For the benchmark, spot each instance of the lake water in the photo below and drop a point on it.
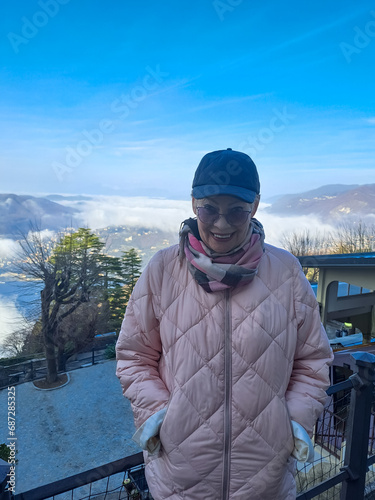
(24, 294)
(18, 299)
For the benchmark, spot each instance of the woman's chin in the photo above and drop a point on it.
(222, 245)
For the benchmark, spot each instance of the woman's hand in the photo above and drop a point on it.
(303, 447)
(147, 436)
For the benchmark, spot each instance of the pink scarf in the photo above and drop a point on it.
(215, 271)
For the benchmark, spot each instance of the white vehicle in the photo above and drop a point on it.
(344, 335)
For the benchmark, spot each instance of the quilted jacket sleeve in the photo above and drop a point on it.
(310, 374)
(138, 348)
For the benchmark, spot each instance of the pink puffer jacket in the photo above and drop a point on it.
(233, 369)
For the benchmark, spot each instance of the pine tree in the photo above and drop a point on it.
(131, 270)
(113, 294)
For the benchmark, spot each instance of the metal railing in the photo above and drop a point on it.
(36, 369)
(107, 482)
(342, 468)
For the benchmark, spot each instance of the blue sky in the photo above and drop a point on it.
(124, 98)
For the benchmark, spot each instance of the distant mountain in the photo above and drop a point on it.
(331, 202)
(18, 212)
(323, 191)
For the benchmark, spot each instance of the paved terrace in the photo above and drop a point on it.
(85, 424)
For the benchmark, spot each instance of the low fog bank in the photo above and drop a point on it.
(99, 212)
(276, 227)
(8, 248)
(150, 213)
(167, 215)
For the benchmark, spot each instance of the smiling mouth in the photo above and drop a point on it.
(222, 237)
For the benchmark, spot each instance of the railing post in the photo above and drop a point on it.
(358, 426)
(31, 370)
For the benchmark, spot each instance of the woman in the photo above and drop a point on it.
(222, 353)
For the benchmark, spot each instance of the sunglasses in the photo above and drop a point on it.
(235, 217)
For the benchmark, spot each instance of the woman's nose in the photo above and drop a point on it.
(222, 223)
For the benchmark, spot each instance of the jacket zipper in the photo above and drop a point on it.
(227, 394)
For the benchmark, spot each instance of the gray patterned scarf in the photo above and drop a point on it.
(213, 271)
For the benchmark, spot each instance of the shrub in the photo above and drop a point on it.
(110, 351)
(5, 453)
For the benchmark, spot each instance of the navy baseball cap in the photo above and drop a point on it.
(226, 172)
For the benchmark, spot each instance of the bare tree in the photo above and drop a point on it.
(68, 270)
(354, 238)
(305, 243)
(14, 342)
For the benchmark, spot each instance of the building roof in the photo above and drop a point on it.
(365, 259)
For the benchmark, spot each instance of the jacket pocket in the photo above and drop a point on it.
(163, 431)
(290, 426)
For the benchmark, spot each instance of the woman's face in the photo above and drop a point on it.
(221, 236)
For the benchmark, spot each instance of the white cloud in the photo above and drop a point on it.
(8, 248)
(167, 215)
(103, 211)
(44, 235)
(276, 227)
(229, 101)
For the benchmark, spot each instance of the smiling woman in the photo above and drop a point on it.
(223, 221)
(222, 353)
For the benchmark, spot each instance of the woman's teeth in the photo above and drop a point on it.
(222, 236)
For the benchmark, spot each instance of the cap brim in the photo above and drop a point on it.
(215, 189)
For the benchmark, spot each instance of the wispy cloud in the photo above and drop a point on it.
(317, 31)
(230, 101)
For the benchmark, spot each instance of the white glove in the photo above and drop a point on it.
(147, 435)
(303, 447)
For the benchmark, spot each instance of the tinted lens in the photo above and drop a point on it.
(235, 217)
(207, 215)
